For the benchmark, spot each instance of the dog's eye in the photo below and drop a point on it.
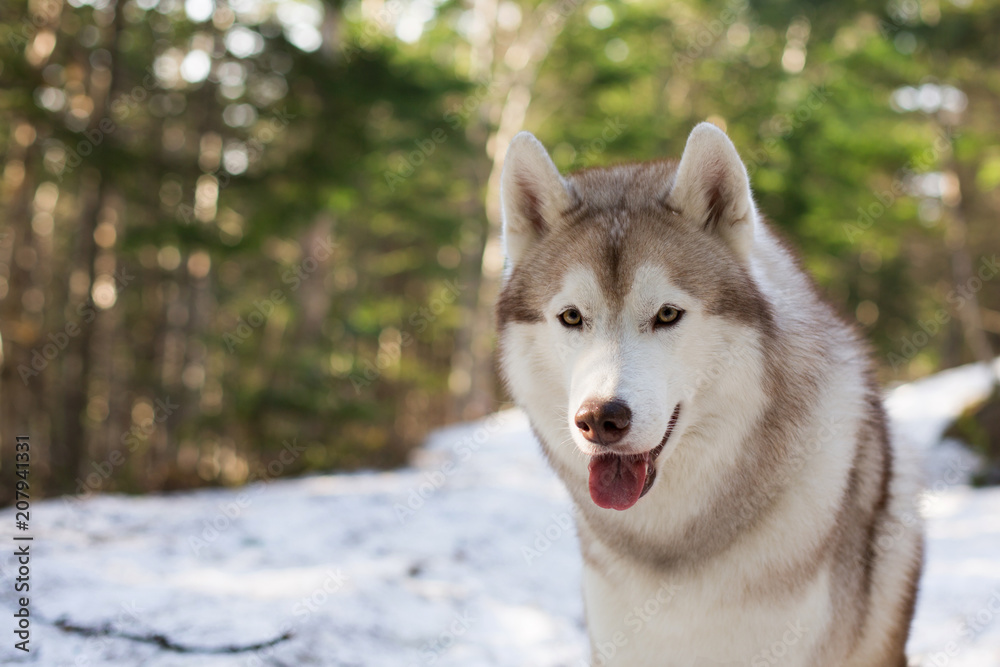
(667, 315)
(571, 317)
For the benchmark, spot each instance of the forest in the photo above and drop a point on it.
(244, 239)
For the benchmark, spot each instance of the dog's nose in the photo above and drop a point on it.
(603, 423)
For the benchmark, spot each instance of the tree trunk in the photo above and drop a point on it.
(75, 442)
(475, 393)
(20, 395)
(963, 271)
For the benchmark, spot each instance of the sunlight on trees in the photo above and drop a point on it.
(230, 225)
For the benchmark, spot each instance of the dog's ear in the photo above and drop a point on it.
(712, 189)
(532, 195)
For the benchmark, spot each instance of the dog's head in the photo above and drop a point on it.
(625, 290)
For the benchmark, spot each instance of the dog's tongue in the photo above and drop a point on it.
(616, 482)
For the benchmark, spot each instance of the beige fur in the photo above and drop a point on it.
(781, 517)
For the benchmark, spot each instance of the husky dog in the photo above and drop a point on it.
(739, 499)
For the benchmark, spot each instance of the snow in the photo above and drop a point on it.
(467, 558)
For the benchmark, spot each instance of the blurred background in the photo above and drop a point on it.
(234, 230)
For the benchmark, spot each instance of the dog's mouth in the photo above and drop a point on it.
(617, 481)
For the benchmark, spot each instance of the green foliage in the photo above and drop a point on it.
(305, 227)
(979, 427)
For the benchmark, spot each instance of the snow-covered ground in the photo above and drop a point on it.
(468, 558)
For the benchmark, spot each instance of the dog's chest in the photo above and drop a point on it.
(704, 621)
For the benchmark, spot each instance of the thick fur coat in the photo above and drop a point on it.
(740, 500)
